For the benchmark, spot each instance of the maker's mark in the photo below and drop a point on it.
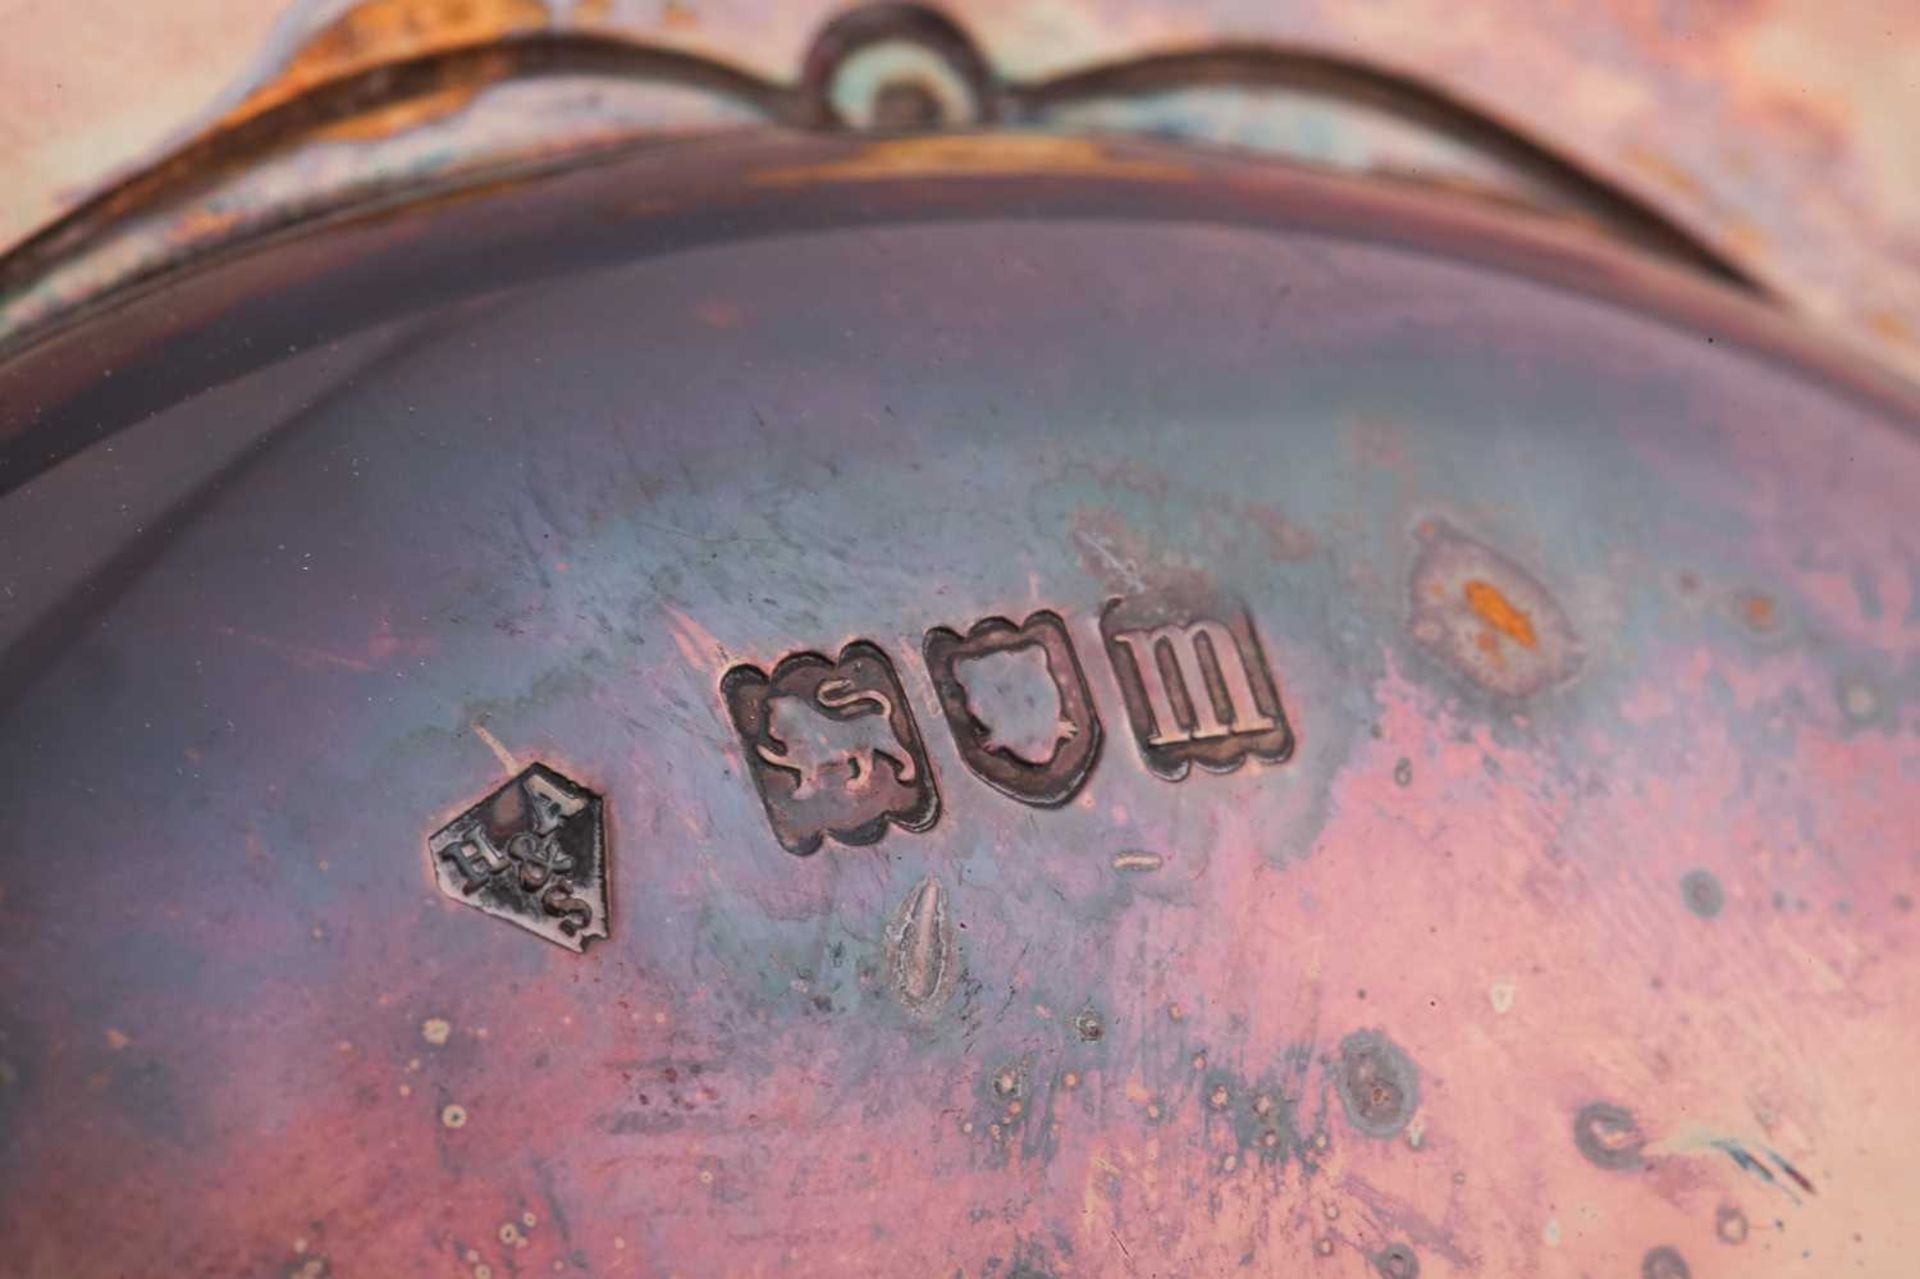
(533, 853)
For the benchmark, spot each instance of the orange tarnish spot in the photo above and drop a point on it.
(1890, 326)
(1494, 609)
(1747, 239)
(1664, 170)
(718, 313)
(1758, 610)
(379, 31)
(995, 155)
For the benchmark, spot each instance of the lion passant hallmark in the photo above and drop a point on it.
(832, 747)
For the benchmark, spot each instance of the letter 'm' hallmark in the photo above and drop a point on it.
(1195, 682)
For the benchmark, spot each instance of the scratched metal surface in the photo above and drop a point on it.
(1575, 937)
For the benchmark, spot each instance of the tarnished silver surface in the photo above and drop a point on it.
(1568, 927)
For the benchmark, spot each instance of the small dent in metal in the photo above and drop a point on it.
(921, 950)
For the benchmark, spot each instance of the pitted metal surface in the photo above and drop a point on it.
(1570, 580)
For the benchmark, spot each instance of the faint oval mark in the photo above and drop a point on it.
(1608, 1135)
(920, 950)
(1397, 1261)
(1377, 1082)
(1664, 1263)
(1702, 892)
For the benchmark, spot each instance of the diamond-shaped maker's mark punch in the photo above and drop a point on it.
(534, 853)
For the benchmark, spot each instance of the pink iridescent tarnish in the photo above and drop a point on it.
(1503, 882)
(1518, 876)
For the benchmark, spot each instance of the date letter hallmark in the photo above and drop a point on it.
(532, 853)
(1195, 682)
(832, 748)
